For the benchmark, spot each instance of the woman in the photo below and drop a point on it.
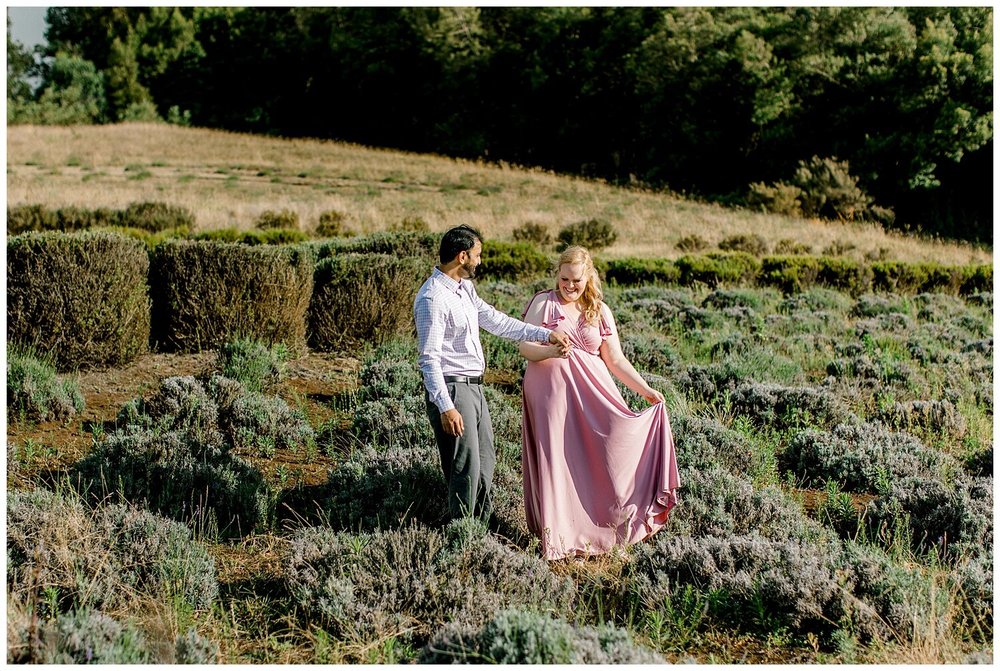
(596, 474)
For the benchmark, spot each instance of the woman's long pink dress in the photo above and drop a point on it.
(596, 474)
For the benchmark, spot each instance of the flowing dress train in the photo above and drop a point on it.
(596, 474)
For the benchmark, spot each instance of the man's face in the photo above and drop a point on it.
(472, 259)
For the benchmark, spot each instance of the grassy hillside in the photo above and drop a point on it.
(228, 179)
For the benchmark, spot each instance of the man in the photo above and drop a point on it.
(448, 314)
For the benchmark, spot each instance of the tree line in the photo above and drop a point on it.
(878, 113)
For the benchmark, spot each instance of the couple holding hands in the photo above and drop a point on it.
(596, 474)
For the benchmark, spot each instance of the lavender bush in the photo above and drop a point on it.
(525, 637)
(359, 586)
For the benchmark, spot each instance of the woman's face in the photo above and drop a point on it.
(572, 281)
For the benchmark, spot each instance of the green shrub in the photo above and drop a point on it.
(829, 190)
(977, 279)
(363, 299)
(271, 236)
(791, 274)
(331, 224)
(512, 261)
(411, 225)
(752, 244)
(900, 277)
(156, 217)
(718, 268)
(141, 111)
(253, 363)
(525, 637)
(79, 218)
(844, 274)
(594, 234)
(779, 198)
(531, 231)
(838, 248)
(638, 272)
(786, 246)
(34, 391)
(80, 297)
(205, 293)
(269, 219)
(393, 244)
(692, 243)
(24, 218)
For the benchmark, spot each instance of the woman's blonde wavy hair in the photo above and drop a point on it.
(592, 297)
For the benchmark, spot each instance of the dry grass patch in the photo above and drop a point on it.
(229, 179)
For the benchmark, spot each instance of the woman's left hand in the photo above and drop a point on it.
(653, 396)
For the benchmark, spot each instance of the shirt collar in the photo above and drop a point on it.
(452, 285)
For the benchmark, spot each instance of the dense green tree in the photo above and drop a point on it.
(707, 100)
(20, 66)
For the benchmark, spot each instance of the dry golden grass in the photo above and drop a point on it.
(228, 179)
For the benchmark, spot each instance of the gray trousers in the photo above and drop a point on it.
(468, 461)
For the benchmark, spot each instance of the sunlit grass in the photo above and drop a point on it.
(376, 188)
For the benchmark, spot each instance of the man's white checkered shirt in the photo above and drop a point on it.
(448, 316)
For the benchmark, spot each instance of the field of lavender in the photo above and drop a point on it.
(836, 461)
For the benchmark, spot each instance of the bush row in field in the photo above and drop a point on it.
(154, 217)
(94, 298)
(793, 274)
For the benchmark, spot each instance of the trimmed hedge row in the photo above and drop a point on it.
(793, 274)
(80, 298)
(207, 293)
(148, 216)
(362, 298)
(100, 298)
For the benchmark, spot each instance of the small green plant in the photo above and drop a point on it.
(594, 234)
(531, 231)
(779, 198)
(692, 243)
(838, 248)
(270, 219)
(331, 224)
(786, 246)
(254, 363)
(411, 224)
(35, 392)
(750, 243)
(837, 511)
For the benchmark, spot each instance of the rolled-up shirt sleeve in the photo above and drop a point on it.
(430, 336)
(506, 326)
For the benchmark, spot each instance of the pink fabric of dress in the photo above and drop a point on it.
(596, 474)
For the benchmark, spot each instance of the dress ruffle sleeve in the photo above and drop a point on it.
(551, 314)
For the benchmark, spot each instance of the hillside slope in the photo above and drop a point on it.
(228, 179)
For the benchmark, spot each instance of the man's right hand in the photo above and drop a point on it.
(562, 341)
(451, 422)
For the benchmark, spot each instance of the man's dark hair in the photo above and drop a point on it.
(459, 239)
